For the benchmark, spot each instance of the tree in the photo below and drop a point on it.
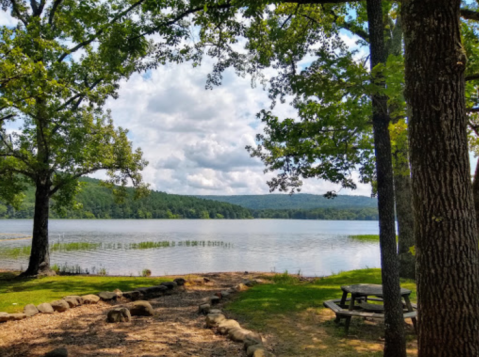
(57, 68)
(394, 335)
(446, 233)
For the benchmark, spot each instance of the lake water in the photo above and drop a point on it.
(314, 248)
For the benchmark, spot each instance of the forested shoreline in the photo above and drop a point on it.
(98, 203)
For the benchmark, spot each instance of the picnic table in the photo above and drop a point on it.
(358, 303)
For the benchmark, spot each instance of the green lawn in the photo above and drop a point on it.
(292, 310)
(16, 293)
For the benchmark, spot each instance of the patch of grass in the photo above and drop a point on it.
(293, 310)
(46, 289)
(366, 237)
(55, 247)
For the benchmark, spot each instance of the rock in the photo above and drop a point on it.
(250, 341)
(118, 292)
(120, 314)
(225, 326)
(57, 352)
(78, 299)
(45, 308)
(60, 305)
(18, 316)
(4, 317)
(206, 280)
(214, 300)
(252, 349)
(204, 309)
(216, 311)
(241, 335)
(261, 352)
(107, 296)
(133, 295)
(149, 292)
(249, 283)
(214, 319)
(225, 293)
(241, 287)
(30, 310)
(141, 308)
(90, 299)
(71, 301)
(180, 281)
(170, 284)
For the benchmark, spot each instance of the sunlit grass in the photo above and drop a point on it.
(35, 291)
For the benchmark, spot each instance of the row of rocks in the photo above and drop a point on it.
(49, 308)
(166, 288)
(253, 342)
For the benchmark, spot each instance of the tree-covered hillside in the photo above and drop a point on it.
(98, 202)
(300, 201)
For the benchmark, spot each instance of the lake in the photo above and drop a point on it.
(313, 248)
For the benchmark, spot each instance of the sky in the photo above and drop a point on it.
(194, 139)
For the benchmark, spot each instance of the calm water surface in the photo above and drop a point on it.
(314, 248)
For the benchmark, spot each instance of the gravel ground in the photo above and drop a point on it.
(176, 329)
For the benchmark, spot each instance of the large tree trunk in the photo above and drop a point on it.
(395, 343)
(405, 215)
(40, 255)
(475, 190)
(447, 254)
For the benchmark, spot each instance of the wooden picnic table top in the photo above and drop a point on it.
(369, 289)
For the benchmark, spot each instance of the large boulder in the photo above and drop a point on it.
(119, 314)
(225, 326)
(107, 296)
(141, 308)
(60, 305)
(57, 352)
(18, 316)
(30, 310)
(90, 299)
(118, 293)
(214, 319)
(45, 308)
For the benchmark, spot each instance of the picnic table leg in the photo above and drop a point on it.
(410, 308)
(351, 302)
(343, 299)
(346, 326)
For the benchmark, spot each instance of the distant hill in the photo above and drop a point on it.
(299, 201)
(98, 202)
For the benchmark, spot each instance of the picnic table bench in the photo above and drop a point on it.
(358, 305)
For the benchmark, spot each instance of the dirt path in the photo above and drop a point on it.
(176, 329)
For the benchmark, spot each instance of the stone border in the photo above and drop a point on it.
(68, 302)
(216, 320)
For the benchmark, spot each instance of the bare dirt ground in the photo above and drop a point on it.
(176, 329)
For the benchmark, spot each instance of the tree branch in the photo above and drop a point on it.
(55, 6)
(472, 77)
(99, 32)
(469, 14)
(319, 2)
(17, 12)
(473, 110)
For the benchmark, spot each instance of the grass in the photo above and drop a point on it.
(367, 237)
(16, 293)
(293, 311)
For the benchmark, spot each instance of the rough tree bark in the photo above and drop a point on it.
(40, 256)
(447, 254)
(395, 343)
(475, 190)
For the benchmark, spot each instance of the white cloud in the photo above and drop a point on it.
(194, 138)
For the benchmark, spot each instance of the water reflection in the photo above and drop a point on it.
(314, 248)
